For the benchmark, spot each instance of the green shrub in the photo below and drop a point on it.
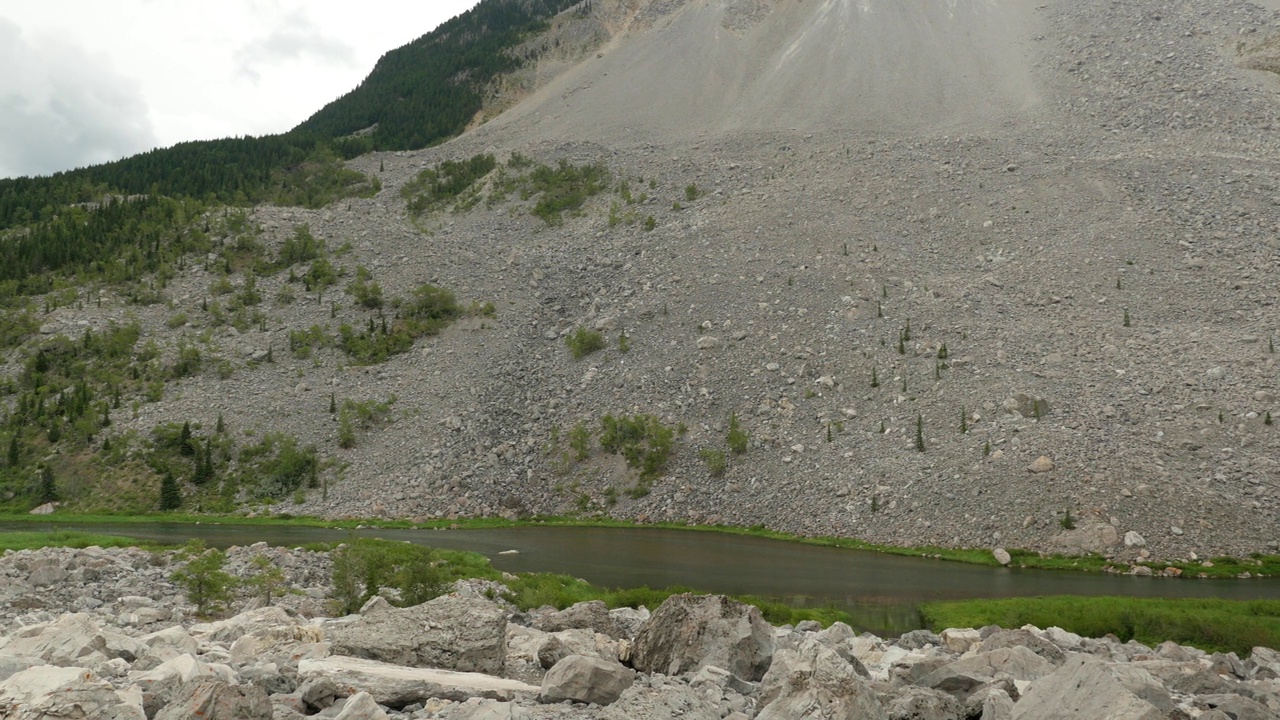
(276, 466)
(365, 290)
(715, 460)
(580, 441)
(363, 566)
(448, 182)
(302, 342)
(301, 247)
(737, 438)
(642, 439)
(207, 586)
(582, 342)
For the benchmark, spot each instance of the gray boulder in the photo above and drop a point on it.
(917, 639)
(453, 633)
(660, 699)
(815, 682)
(397, 686)
(917, 703)
(690, 631)
(73, 639)
(1263, 664)
(586, 679)
(590, 615)
(216, 700)
(968, 674)
(1236, 707)
(1026, 639)
(361, 706)
(1085, 687)
(47, 692)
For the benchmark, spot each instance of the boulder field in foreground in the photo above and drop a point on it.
(465, 657)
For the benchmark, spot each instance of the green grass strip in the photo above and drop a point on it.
(1212, 625)
(66, 538)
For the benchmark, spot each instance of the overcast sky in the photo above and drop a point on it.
(87, 81)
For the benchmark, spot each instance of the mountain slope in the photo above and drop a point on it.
(701, 68)
(1030, 285)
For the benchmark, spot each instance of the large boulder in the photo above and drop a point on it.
(397, 686)
(815, 682)
(689, 632)
(73, 639)
(361, 706)
(661, 699)
(162, 684)
(1027, 639)
(216, 700)
(47, 692)
(1085, 687)
(968, 674)
(917, 703)
(590, 615)
(449, 632)
(585, 679)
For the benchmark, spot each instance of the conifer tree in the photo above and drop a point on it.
(48, 488)
(170, 495)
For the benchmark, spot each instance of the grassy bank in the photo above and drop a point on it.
(1209, 624)
(72, 539)
(1219, 567)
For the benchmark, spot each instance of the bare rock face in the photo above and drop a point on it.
(453, 633)
(1085, 687)
(814, 681)
(47, 692)
(217, 700)
(689, 632)
(587, 680)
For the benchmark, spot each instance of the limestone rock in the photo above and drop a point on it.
(1085, 687)
(216, 700)
(587, 680)
(449, 632)
(917, 703)
(665, 701)
(1002, 556)
(688, 632)
(1042, 464)
(1133, 539)
(361, 706)
(1026, 639)
(47, 692)
(967, 674)
(815, 682)
(959, 640)
(590, 615)
(73, 639)
(394, 685)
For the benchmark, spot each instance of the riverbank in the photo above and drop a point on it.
(1256, 565)
(118, 627)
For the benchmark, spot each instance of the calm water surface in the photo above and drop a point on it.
(881, 591)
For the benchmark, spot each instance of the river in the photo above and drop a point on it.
(881, 591)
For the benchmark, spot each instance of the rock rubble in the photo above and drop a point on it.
(701, 657)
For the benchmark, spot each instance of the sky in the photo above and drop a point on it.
(85, 81)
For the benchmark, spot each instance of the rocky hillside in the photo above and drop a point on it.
(463, 656)
(968, 274)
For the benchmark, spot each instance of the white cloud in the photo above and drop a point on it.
(62, 107)
(86, 81)
(295, 38)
